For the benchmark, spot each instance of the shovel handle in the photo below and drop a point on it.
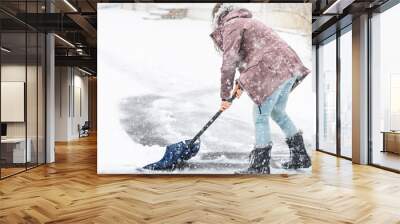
(216, 115)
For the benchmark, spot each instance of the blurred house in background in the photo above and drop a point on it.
(283, 17)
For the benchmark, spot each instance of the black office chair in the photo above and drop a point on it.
(84, 130)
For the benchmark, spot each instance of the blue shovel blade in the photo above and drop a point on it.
(175, 155)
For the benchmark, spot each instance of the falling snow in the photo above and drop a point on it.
(159, 83)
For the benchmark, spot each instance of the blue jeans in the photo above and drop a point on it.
(274, 106)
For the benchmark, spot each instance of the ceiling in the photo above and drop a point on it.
(75, 23)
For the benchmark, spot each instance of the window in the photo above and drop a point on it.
(327, 96)
(385, 85)
(346, 94)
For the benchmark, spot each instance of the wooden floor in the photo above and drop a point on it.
(70, 191)
(5, 172)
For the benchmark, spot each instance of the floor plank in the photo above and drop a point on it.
(70, 191)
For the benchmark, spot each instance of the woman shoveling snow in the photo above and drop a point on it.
(269, 69)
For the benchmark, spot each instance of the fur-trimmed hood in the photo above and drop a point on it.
(228, 12)
(225, 14)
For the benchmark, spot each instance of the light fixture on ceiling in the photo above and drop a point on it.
(84, 71)
(80, 51)
(337, 7)
(70, 5)
(5, 50)
(64, 40)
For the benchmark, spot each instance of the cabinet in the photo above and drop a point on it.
(391, 141)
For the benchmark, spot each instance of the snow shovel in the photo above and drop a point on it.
(176, 154)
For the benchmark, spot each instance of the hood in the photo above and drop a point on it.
(228, 12)
(236, 13)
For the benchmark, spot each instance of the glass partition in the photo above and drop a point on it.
(22, 77)
(33, 56)
(346, 94)
(327, 96)
(14, 153)
(32, 95)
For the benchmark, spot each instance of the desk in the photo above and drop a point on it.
(13, 150)
(391, 141)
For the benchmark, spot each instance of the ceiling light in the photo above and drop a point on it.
(79, 51)
(84, 71)
(70, 5)
(338, 6)
(5, 50)
(65, 41)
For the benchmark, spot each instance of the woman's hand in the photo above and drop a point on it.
(226, 104)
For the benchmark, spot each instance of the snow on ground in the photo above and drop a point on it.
(158, 84)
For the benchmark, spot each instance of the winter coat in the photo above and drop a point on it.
(263, 59)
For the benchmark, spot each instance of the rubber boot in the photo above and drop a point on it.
(259, 161)
(298, 153)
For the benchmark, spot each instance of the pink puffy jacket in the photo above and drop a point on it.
(264, 60)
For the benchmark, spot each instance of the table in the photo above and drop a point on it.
(391, 141)
(13, 150)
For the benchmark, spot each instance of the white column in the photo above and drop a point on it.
(360, 90)
(63, 101)
(50, 99)
(50, 92)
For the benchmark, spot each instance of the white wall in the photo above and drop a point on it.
(61, 103)
(80, 94)
(70, 83)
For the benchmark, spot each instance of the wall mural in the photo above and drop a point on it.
(205, 88)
